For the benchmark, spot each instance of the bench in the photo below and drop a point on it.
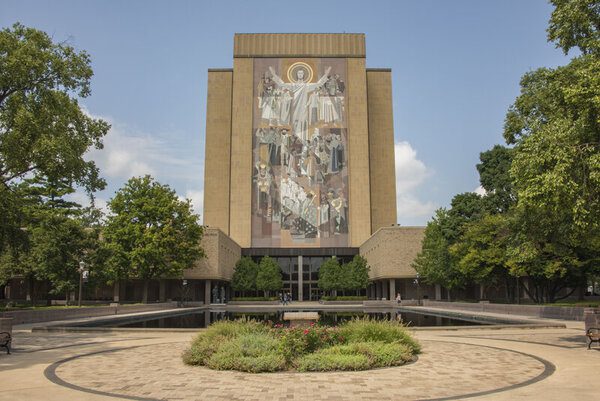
(5, 340)
(593, 334)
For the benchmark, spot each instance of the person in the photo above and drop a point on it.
(300, 91)
(398, 298)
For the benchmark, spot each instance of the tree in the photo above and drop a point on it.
(268, 277)
(150, 233)
(554, 126)
(357, 272)
(43, 131)
(494, 176)
(481, 253)
(434, 263)
(330, 275)
(575, 23)
(244, 275)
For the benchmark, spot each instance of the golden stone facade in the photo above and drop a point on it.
(327, 129)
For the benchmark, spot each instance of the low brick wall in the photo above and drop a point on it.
(544, 311)
(357, 302)
(47, 315)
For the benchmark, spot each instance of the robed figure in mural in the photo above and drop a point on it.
(300, 91)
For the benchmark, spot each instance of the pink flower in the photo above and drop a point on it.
(305, 331)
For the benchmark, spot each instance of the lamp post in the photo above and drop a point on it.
(81, 270)
(184, 288)
(418, 289)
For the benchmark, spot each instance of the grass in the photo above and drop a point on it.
(250, 346)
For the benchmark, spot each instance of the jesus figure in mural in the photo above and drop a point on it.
(300, 91)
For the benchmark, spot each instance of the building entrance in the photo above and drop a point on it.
(300, 273)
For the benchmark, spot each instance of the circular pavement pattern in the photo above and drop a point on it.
(445, 370)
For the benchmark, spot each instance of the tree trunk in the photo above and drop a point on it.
(145, 293)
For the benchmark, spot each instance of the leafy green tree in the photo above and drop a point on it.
(330, 274)
(481, 253)
(43, 130)
(268, 277)
(435, 263)
(575, 23)
(494, 176)
(357, 272)
(554, 126)
(244, 275)
(150, 233)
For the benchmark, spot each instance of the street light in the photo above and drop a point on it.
(81, 271)
(418, 289)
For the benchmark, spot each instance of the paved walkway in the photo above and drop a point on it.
(483, 364)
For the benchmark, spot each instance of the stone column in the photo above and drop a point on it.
(392, 289)
(438, 292)
(300, 290)
(207, 288)
(162, 290)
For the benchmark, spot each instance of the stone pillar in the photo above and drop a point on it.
(300, 289)
(207, 288)
(481, 291)
(392, 289)
(162, 290)
(438, 292)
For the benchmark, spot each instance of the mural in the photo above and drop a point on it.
(300, 177)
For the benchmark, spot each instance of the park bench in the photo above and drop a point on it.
(593, 334)
(5, 340)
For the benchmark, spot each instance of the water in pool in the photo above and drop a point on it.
(201, 319)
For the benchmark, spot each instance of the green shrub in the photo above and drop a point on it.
(379, 354)
(298, 341)
(344, 298)
(250, 352)
(387, 331)
(216, 336)
(250, 346)
(322, 362)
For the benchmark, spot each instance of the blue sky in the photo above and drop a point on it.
(455, 65)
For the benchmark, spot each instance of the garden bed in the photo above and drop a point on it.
(254, 347)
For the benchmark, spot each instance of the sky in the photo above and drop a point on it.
(456, 67)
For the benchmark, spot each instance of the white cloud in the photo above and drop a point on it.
(128, 152)
(480, 191)
(411, 173)
(197, 198)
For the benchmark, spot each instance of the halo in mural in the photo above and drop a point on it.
(292, 72)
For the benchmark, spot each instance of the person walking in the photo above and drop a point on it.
(398, 298)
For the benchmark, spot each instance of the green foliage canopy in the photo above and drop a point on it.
(268, 277)
(150, 233)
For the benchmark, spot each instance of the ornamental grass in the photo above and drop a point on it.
(251, 346)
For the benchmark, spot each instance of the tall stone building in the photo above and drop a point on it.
(299, 163)
(299, 166)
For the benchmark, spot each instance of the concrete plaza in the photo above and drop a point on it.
(483, 363)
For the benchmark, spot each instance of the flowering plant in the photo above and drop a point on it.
(298, 340)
